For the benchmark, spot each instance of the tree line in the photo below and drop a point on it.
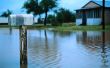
(38, 7)
(61, 16)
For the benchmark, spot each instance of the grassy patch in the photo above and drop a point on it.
(83, 28)
(4, 26)
(64, 27)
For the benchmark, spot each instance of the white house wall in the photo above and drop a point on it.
(78, 21)
(3, 20)
(93, 21)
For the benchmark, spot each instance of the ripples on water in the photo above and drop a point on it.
(52, 49)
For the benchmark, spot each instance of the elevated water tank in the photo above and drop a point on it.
(21, 19)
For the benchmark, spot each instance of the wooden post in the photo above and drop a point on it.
(23, 47)
(103, 15)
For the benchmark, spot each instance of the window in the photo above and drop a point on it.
(79, 14)
(93, 13)
(96, 13)
(90, 14)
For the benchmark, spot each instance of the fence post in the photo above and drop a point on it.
(23, 45)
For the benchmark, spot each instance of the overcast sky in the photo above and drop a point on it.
(15, 5)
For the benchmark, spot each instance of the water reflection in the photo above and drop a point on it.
(103, 53)
(62, 33)
(46, 40)
(44, 54)
(10, 30)
(96, 41)
(55, 47)
(51, 49)
(9, 49)
(93, 40)
(23, 66)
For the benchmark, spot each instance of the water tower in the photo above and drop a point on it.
(22, 20)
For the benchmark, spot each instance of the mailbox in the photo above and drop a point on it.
(21, 19)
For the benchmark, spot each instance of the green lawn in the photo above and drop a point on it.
(68, 27)
(64, 27)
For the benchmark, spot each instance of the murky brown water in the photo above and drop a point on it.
(51, 49)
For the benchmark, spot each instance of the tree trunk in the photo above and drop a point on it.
(39, 19)
(45, 20)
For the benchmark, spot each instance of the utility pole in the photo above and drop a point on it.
(103, 14)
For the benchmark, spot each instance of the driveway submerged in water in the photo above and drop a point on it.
(52, 49)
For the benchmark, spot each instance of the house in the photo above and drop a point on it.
(91, 13)
(3, 20)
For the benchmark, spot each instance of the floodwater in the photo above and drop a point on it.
(52, 49)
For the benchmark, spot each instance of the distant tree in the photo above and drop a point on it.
(33, 6)
(55, 12)
(51, 19)
(6, 13)
(64, 15)
(73, 17)
(60, 16)
(39, 11)
(48, 5)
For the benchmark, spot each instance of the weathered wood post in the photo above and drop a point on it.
(23, 45)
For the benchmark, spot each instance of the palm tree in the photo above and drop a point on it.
(6, 13)
(47, 5)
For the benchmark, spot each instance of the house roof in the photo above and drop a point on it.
(99, 3)
(107, 3)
